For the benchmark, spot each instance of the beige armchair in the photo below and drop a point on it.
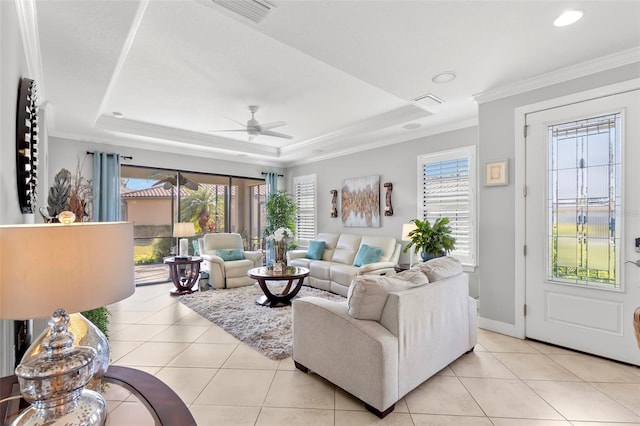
(215, 248)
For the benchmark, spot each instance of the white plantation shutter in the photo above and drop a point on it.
(304, 193)
(447, 184)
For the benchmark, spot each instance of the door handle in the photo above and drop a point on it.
(637, 262)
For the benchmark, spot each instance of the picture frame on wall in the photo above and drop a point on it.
(496, 173)
(361, 202)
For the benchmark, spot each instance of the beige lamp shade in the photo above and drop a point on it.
(183, 230)
(76, 267)
(406, 228)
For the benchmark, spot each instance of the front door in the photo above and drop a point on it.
(582, 221)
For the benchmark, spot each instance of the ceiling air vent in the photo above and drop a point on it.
(428, 101)
(254, 10)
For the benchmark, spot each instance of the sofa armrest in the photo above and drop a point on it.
(376, 268)
(215, 266)
(296, 254)
(212, 258)
(359, 356)
(254, 256)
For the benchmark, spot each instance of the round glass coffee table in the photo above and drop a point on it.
(289, 274)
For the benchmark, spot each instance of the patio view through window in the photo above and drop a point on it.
(584, 202)
(155, 199)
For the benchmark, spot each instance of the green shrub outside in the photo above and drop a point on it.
(161, 248)
(100, 318)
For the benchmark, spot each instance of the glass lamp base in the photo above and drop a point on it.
(91, 409)
(86, 334)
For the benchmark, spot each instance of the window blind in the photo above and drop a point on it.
(305, 199)
(446, 184)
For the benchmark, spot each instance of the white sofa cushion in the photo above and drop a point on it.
(346, 249)
(368, 294)
(440, 268)
(320, 269)
(330, 244)
(387, 244)
(343, 274)
(414, 276)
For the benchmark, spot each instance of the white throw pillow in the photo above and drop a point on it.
(413, 276)
(440, 268)
(368, 295)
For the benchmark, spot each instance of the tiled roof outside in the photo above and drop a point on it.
(160, 192)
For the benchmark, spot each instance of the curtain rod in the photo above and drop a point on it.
(265, 173)
(124, 157)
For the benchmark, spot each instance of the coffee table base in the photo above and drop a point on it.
(264, 301)
(290, 274)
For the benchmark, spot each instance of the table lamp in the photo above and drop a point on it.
(406, 229)
(183, 230)
(60, 268)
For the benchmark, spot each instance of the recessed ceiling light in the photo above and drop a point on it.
(117, 114)
(444, 77)
(411, 126)
(567, 18)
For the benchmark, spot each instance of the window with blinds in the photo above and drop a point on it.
(446, 189)
(304, 193)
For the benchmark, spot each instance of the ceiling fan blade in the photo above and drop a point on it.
(275, 134)
(235, 121)
(272, 125)
(191, 185)
(234, 130)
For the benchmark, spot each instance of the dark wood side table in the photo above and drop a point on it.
(184, 273)
(164, 405)
(290, 274)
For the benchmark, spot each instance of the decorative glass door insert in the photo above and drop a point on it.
(584, 202)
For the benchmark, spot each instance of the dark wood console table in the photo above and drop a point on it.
(164, 405)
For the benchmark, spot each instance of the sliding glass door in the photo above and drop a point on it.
(155, 199)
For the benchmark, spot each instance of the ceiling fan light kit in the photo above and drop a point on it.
(254, 128)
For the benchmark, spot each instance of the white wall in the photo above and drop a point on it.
(396, 164)
(497, 255)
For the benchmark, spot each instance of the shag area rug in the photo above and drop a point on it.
(235, 310)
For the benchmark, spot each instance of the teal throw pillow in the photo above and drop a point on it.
(315, 250)
(196, 247)
(230, 254)
(367, 254)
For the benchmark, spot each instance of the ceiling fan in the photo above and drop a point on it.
(171, 181)
(254, 128)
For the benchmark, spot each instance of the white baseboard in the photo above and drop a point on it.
(499, 327)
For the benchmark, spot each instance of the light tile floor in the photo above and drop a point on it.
(505, 382)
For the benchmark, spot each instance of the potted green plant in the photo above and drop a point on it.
(431, 240)
(281, 212)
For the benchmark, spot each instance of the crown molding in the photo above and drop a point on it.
(28, 23)
(604, 63)
(170, 134)
(386, 141)
(370, 125)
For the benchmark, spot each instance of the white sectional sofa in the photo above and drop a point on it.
(391, 334)
(335, 270)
